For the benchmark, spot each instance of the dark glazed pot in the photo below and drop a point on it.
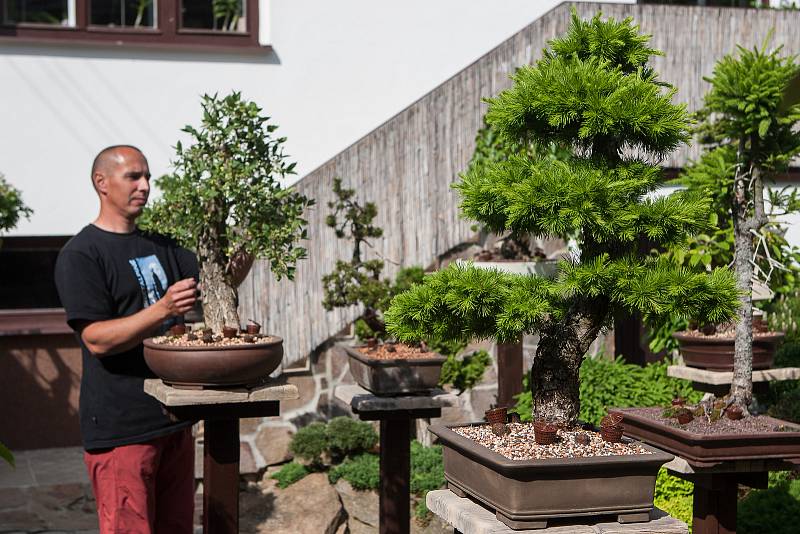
(526, 494)
(207, 366)
(395, 377)
(716, 354)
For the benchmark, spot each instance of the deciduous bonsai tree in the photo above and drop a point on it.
(593, 92)
(225, 201)
(11, 209)
(750, 124)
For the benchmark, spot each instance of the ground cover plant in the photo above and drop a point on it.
(574, 97)
(225, 201)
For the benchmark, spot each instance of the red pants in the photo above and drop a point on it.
(145, 488)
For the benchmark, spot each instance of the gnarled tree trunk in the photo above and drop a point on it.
(217, 292)
(555, 374)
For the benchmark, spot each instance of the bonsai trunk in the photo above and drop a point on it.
(745, 220)
(217, 292)
(555, 374)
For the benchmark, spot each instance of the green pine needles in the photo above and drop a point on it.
(593, 93)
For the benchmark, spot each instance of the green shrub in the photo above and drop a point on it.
(787, 406)
(775, 510)
(362, 471)
(310, 442)
(674, 495)
(614, 383)
(464, 373)
(782, 396)
(427, 469)
(346, 436)
(289, 474)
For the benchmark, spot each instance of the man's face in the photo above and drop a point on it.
(124, 183)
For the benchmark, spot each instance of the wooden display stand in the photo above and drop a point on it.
(719, 382)
(221, 411)
(395, 415)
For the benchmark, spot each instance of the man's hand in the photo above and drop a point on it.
(180, 297)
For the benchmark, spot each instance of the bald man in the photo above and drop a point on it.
(118, 286)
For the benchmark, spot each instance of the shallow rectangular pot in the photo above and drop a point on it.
(526, 494)
(394, 377)
(703, 450)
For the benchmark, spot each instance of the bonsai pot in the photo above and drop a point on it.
(709, 449)
(526, 494)
(716, 353)
(387, 377)
(196, 367)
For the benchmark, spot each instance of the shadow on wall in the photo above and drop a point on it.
(39, 387)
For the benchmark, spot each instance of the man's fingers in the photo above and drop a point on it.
(186, 283)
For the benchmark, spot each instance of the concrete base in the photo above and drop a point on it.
(468, 517)
(362, 401)
(170, 396)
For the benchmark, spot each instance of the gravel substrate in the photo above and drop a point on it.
(401, 352)
(218, 340)
(755, 424)
(519, 444)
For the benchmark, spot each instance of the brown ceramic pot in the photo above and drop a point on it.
(716, 353)
(395, 377)
(496, 415)
(545, 433)
(195, 367)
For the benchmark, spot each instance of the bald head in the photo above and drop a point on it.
(108, 159)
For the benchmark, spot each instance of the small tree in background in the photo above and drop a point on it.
(225, 201)
(594, 92)
(753, 136)
(11, 209)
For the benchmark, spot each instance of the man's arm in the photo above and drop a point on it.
(104, 338)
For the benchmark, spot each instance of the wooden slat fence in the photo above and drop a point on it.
(406, 165)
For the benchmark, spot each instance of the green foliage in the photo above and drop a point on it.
(362, 471)
(775, 510)
(11, 206)
(784, 314)
(615, 384)
(466, 372)
(310, 443)
(346, 436)
(674, 495)
(427, 469)
(341, 436)
(6, 455)
(593, 94)
(226, 194)
(289, 474)
(787, 406)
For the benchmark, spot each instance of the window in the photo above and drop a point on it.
(215, 23)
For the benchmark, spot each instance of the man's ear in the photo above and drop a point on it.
(99, 180)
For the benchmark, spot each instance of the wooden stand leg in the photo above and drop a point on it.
(715, 505)
(509, 372)
(221, 477)
(395, 476)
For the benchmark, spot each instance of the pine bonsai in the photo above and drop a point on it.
(225, 201)
(593, 92)
(752, 132)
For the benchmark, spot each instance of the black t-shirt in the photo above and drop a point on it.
(103, 275)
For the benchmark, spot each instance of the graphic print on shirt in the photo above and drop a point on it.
(151, 277)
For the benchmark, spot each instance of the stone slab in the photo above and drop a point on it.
(362, 401)
(45, 467)
(721, 378)
(170, 396)
(468, 517)
(681, 466)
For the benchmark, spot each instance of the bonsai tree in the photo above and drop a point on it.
(225, 201)
(752, 132)
(593, 92)
(11, 209)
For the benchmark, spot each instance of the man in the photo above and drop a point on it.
(120, 285)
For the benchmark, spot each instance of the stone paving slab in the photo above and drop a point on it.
(42, 467)
(170, 396)
(721, 378)
(362, 401)
(468, 517)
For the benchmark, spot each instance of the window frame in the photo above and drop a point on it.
(168, 34)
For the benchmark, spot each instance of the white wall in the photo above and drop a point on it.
(336, 71)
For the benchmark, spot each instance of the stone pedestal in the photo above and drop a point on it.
(468, 517)
(718, 382)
